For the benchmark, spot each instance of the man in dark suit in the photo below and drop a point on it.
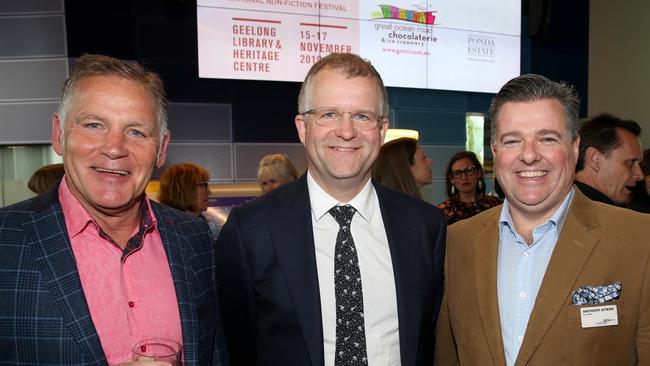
(608, 160)
(92, 266)
(333, 269)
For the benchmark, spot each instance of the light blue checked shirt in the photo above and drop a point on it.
(520, 270)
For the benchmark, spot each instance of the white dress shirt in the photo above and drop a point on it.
(520, 271)
(375, 265)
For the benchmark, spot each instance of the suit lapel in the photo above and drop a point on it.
(406, 270)
(296, 257)
(174, 248)
(47, 235)
(485, 259)
(572, 250)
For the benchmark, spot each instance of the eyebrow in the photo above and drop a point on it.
(537, 133)
(84, 116)
(548, 132)
(510, 134)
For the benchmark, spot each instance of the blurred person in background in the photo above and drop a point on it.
(274, 171)
(608, 162)
(185, 187)
(465, 181)
(641, 193)
(45, 178)
(403, 166)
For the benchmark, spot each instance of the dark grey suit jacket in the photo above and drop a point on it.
(44, 317)
(269, 283)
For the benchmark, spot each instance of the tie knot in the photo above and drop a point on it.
(343, 214)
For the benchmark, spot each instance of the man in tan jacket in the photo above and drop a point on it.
(550, 277)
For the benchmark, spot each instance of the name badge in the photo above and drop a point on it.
(599, 316)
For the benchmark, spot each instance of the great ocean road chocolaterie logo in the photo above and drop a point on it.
(393, 12)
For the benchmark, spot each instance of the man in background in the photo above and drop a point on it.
(608, 162)
(550, 277)
(333, 269)
(92, 267)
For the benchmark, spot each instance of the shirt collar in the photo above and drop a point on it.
(321, 202)
(77, 217)
(557, 219)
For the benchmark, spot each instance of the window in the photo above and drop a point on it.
(17, 164)
(475, 137)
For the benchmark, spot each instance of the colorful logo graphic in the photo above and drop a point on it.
(393, 12)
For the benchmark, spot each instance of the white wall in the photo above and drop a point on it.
(619, 61)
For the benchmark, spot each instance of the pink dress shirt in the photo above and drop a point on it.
(130, 293)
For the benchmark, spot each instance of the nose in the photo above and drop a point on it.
(637, 173)
(114, 144)
(346, 129)
(529, 152)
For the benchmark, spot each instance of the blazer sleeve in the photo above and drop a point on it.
(236, 293)
(439, 261)
(219, 350)
(643, 325)
(445, 349)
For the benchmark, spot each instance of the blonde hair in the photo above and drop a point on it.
(279, 165)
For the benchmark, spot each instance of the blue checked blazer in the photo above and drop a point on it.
(44, 317)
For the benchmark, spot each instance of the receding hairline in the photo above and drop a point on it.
(151, 104)
(351, 66)
(90, 65)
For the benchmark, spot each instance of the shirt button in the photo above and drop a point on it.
(522, 295)
(527, 253)
(131, 304)
(521, 339)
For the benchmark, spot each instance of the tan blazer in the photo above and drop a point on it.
(599, 244)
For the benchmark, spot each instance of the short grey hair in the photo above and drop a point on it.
(279, 165)
(350, 65)
(99, 65)
(532, 87)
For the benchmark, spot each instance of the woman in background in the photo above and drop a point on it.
(465, 181)
(274, 171)
(185, 187)
(44, 178)
(403, 166)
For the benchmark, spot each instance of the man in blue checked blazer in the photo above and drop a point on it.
(92, 266)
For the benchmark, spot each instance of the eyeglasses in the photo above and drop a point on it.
(327, 117)
(469, 171)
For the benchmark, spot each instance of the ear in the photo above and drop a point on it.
(576, 147)
(300, 127)
(162, 154)
(57, 135)
(383, 127)
(593, 158)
